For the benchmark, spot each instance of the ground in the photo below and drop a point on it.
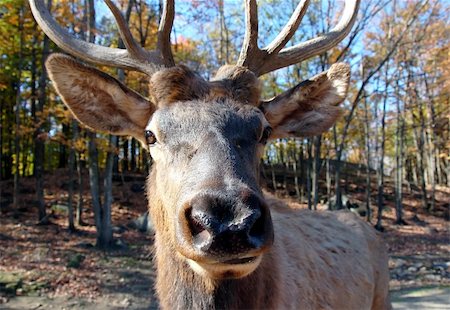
(48, 267)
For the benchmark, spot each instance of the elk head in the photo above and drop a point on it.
(206, 137)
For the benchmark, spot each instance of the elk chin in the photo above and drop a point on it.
(226, 270)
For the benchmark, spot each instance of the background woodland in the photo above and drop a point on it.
(388, 153)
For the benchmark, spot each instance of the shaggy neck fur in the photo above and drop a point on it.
(179, 287)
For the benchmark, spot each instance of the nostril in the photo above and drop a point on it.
(198, 227)
(195, 224)
(258, 228)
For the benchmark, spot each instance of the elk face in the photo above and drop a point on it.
(206, 139)
(206, 157)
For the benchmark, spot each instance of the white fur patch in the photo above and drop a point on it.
(217, 271)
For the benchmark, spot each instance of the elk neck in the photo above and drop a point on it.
(179, 287)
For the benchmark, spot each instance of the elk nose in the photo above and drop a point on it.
(224, 227)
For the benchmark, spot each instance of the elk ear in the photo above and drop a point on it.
(311, 107)
(98, 100)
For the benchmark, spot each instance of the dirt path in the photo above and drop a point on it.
(117, 302)
(429, 298)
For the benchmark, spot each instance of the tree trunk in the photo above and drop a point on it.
(106, 236)
(419, 136)
(92, 145)
(62, 154)
(133, 155)
(274, 180)
(368, 158)
(316, 169)
(224, 54)
(296, 183)
(434, 153)
(308, 174)
(116, 158)
(94, 183)
(328, 179)
(39, 151)
(380, 178)
(398, 161)
(1, 153)
(25, 146)
(79, 167)
(17, 111)
(71, 224)
(125, 161)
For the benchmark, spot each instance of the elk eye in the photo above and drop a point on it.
(265, 135)
(150, 137)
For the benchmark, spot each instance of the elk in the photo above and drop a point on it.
(220, 242)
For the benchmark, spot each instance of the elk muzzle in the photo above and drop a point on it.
(225, 232)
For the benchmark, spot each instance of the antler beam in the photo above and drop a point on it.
(133, 57)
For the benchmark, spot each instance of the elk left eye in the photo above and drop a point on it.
(150, 137)
(265, 135)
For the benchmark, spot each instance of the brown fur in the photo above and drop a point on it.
(318, 260)
(237, 83)
(177, 84)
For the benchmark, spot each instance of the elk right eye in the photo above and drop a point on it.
(150, 137)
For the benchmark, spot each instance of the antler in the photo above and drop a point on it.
(275, 56)
(134, 57)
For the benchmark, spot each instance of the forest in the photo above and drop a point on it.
(73, 218)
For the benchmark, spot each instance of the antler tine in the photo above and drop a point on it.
(133, 48)
(132, 59)
(289, 29)
(250, 52)
(275, 56)
(164, 30)
(302, 51)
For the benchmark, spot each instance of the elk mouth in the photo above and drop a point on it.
(227, 269)
(239, 261)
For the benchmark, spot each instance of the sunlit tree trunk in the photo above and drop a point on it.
(224, 55)
(419, 133)
(399, 138)
(380, 175)
(435, 171)
(368, 158)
